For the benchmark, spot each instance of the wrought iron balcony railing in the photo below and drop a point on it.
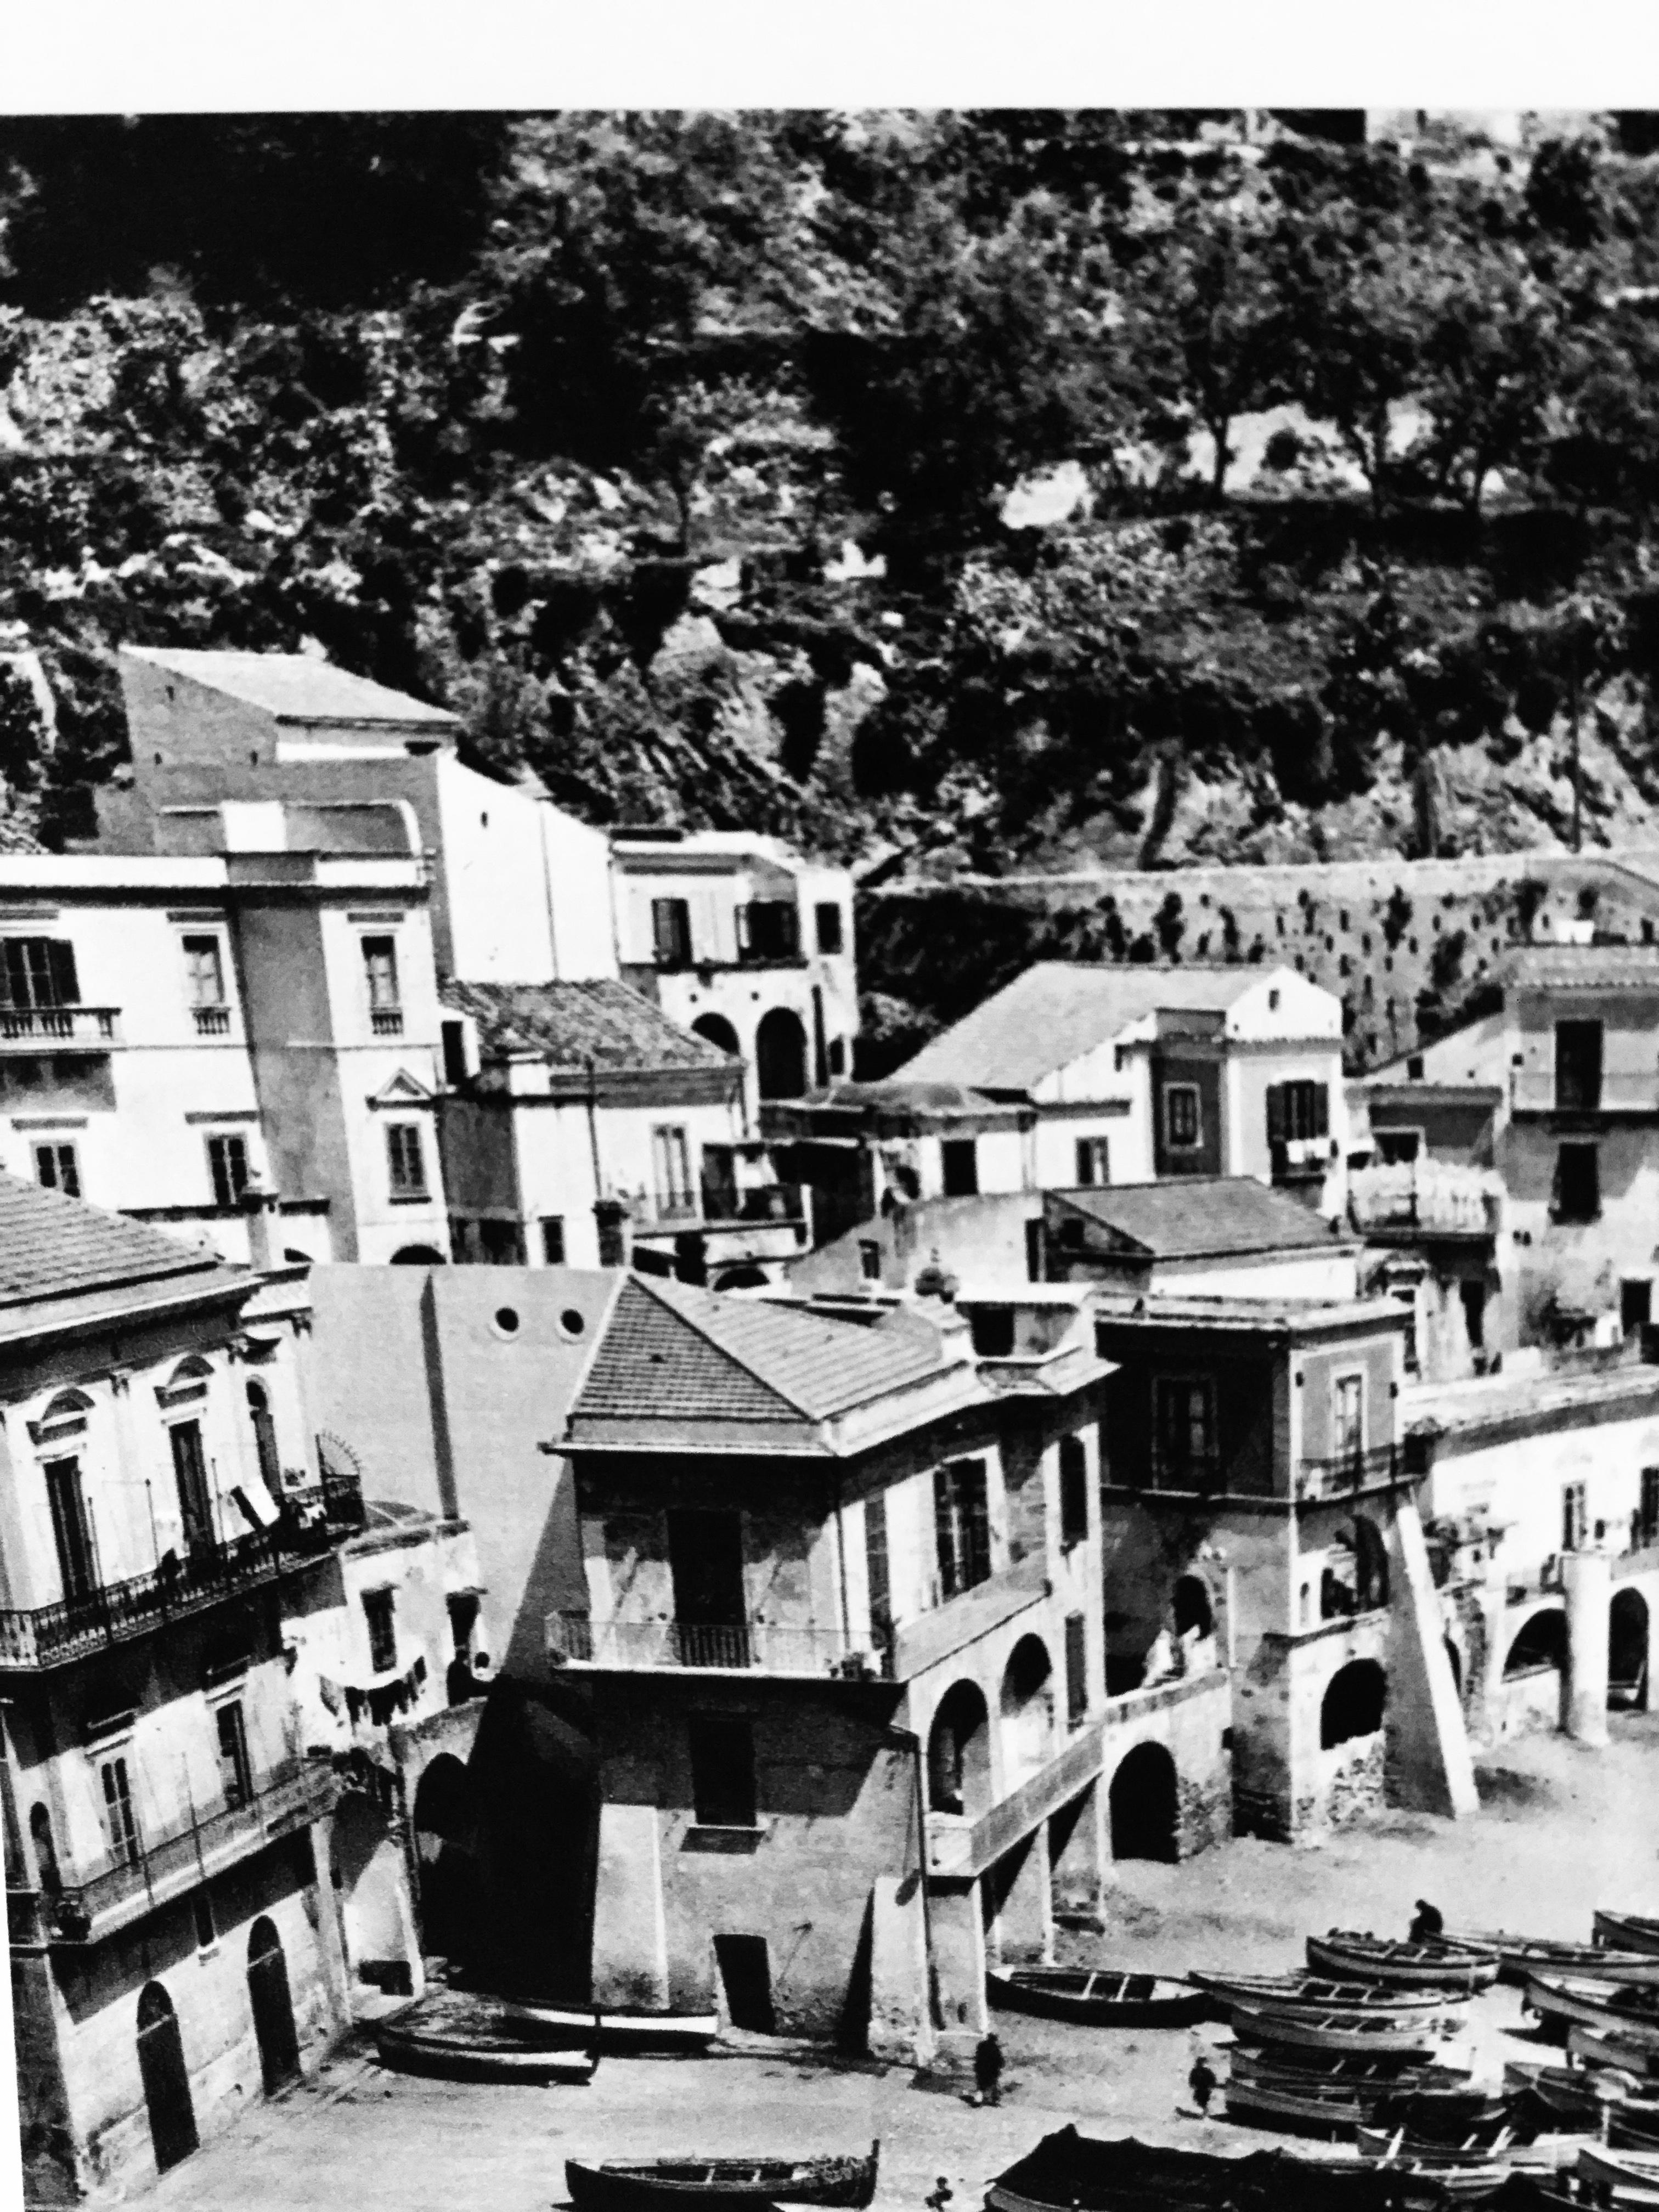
(575, 1640)
(1550, 1090)
(28, 1027)
(156, 1869)
(1349, 1471)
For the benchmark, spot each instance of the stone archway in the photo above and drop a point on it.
(165, 2079)
(1352, 1703)
(1540, 1641)
(445, 1825)
(959, 1754)
(1028, 1711)
(719, 1032)
(1143, 1802)
(1627, 1650)
(780, 1055)
(272, 2007)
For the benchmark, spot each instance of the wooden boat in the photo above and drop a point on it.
(1346, 1955)
(478, 2053)
(1366, 1999)
(647, 2184)
(1066, 2171)
(1097, 1996)
(1597, 2050)
(1633, 2125)
(1393, 2075)
(1618, 2177)
(1519, 1957)
(1627, 1931)
(1630, 2014)
(1333, 2110)
(1553, 2153)
(1463, 2180)
(623, 2033)
(1307, 2028)
(1578, 2093)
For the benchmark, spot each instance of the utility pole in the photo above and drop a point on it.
(1577, 775)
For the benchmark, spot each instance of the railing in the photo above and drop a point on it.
(57, 1026)
(1543, 1578)
(292, 1797)
(575, 1640)
(386, 1021)
(337, 1500)
(762, 1202)
(1346, 1471)
(115, 1613)
(1404, 1200)
(1543, 1090)
(211, 1021)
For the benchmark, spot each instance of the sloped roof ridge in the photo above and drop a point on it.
(653, 1288)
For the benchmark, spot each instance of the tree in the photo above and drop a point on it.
(1355, 327)
(1218, 296)
(1491, 360)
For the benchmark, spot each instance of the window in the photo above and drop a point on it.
(671, 1157)
(120, 1825)
(227, 1166)
(959, 1167)
(1577, 1066)
(991, 1330)
(207, 1932)
(1183, 1128)
(553, 1240)
(37, 971)
(1183, 1409)
(831, 935)
(869, 1260)
(670, 933)
(1578, 1183)
(406, 1159)
(876, 1565)
(191, 1476)
(1094, 1160)
(722, 1772)
(204, 973)
(962, 1525)
(1473, 1297)
(71, 1530)
(1349, 1419)
(768, 929)
(1647, 1513)
(1076, 1670)
(1574, 1522)
(264, 1439)
(1635, 1304)
(381, 974)
(1073, 1490)
(56, 1167)
(837, 1056)
(235, 1779)
(1397, 1148)
(1034, 1250)
(1298, 1112)
(454, 1043)
(380, 1610)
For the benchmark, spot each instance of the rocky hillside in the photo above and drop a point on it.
(998, 494)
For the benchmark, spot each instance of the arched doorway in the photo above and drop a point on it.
(780, 1055)
(374, 1911)
(1143, 1804)
(1353, 1705)
(1627, 1650)
(719, 1032)
(167, 2084)
(273, 2007)
(1028, 1710)
(417, 1255)
(1542, 1642)
(1193, 1612)
(446, 1842)
(959, 1754)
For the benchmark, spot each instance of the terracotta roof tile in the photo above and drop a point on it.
(53, 1247)
(572, 1023)
(1178, 1220)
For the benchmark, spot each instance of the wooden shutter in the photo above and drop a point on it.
(977, 1520)
(1322, 1109)
(65, 986)
(1278, 1118)
(1077, 1669)
(944, 1524)
(876, 1564)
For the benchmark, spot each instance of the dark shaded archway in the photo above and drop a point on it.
(1542, 1641)
(780, 1055)
(1143, 1803)
(719, 1032)
(959, 1753)
(369, 1875)
(1193, 1610)
(272, 2007)
(166, 2082)
(417, 1255)
(445, 1823)
(1353, 1705)
(1028, 1711)
(1627, 1650)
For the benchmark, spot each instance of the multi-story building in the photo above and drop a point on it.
(581, 1125)
(174, 1946)
(842, 1636)
(740, 938)
(176, 1031)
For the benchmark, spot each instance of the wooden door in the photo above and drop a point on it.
(273, 2008)
(167, 2084)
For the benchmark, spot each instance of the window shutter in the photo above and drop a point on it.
(945, 1526)
(1322, 1110)
(65, 988)
(1278, 1119)
(1076, 1670)
(662, 928)
(976, 1516)
(746, 932)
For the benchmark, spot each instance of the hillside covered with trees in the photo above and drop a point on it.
(998, 491)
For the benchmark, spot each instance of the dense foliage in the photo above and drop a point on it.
(676, 452)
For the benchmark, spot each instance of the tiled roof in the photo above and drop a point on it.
(671, 1352)
(1477, 1053)
(53, 1247)
(295, 688)
(1194, 1214)
(1058, 1011)
(1588, 967)
(571, 1025)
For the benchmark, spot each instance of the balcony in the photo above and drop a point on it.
(686, 1647)
(1582, 1098)
(211, 1021)
(58, 1028)
(386, 1021)
(117, 1613)
(960, 1621)
(1423, 1201)
(1346, 1472)
(123, 1890)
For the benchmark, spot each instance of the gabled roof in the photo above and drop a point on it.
(53, 1247)
(296, 687)
(1197, 1215)
(1476, 1053)
(570, 1025)
(1057, 1010)
(674, 1354)
(1587, 967)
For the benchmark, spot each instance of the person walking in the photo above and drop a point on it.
(987, 2070)
(939, 2196)
(1202, 2081)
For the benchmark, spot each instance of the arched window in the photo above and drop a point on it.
(1627, 1650)
(187, 1382)
(718, 1031)
(780, 1055)
(264, 1439)
(1354, 1703)
(959, 1753)
(1194, 1613)
(1028, 1709)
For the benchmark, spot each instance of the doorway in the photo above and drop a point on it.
(1142, 1802)
(167, 2085)
(746, 1970)
(705, 1558)
(273, 2007)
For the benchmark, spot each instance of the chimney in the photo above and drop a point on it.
(259, 1206)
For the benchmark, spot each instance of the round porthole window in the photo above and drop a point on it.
(507, 1320)
(571, 1323)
